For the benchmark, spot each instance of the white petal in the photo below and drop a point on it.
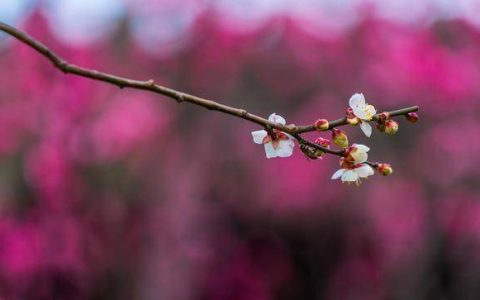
(277, 119)
(359, 157)
(258, 136)
(361, 147)
(350, 176)
(338, 174)
(361, 113)
(270, 151)
(359, 154)
(357, 100)
(285, 148)
(364, 171)
(366, 128)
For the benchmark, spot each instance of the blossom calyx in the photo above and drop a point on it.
(353, 121)
(339, 138)
(321, 124)
(322, 142)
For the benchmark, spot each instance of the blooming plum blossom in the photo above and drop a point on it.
(323, 142)
(363, 111)
(353, 166)
(280, 144)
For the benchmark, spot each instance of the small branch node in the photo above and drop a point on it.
(151, 82)
(292, 127)
(62, 65)
(180, 97)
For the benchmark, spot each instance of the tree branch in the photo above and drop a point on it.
(150, 85)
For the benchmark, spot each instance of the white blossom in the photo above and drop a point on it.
(353, 165)
(281, 145)
(363, 111)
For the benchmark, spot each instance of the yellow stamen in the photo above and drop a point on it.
(368, 111)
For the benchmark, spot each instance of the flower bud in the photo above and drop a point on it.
(384, 116)
(349, 113)
(412, 117)
(391, 127)
(322, 142)
(321, 124)
(339, 138)
(353, 121)
(384, 169)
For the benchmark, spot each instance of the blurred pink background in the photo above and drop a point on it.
(121, 194)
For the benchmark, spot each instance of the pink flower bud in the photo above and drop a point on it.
(321, 124)
(323, 142)
(384, 169)
(391, 127)
(339, 138)
(349, 113)
(384, 116)
(412, 117)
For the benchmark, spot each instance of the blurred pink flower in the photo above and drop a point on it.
(129, 121)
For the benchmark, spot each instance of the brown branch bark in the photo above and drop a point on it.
(150, 85)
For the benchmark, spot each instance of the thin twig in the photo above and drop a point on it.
(301, 140)
(343, 121)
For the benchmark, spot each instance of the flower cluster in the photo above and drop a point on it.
(279, 139)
